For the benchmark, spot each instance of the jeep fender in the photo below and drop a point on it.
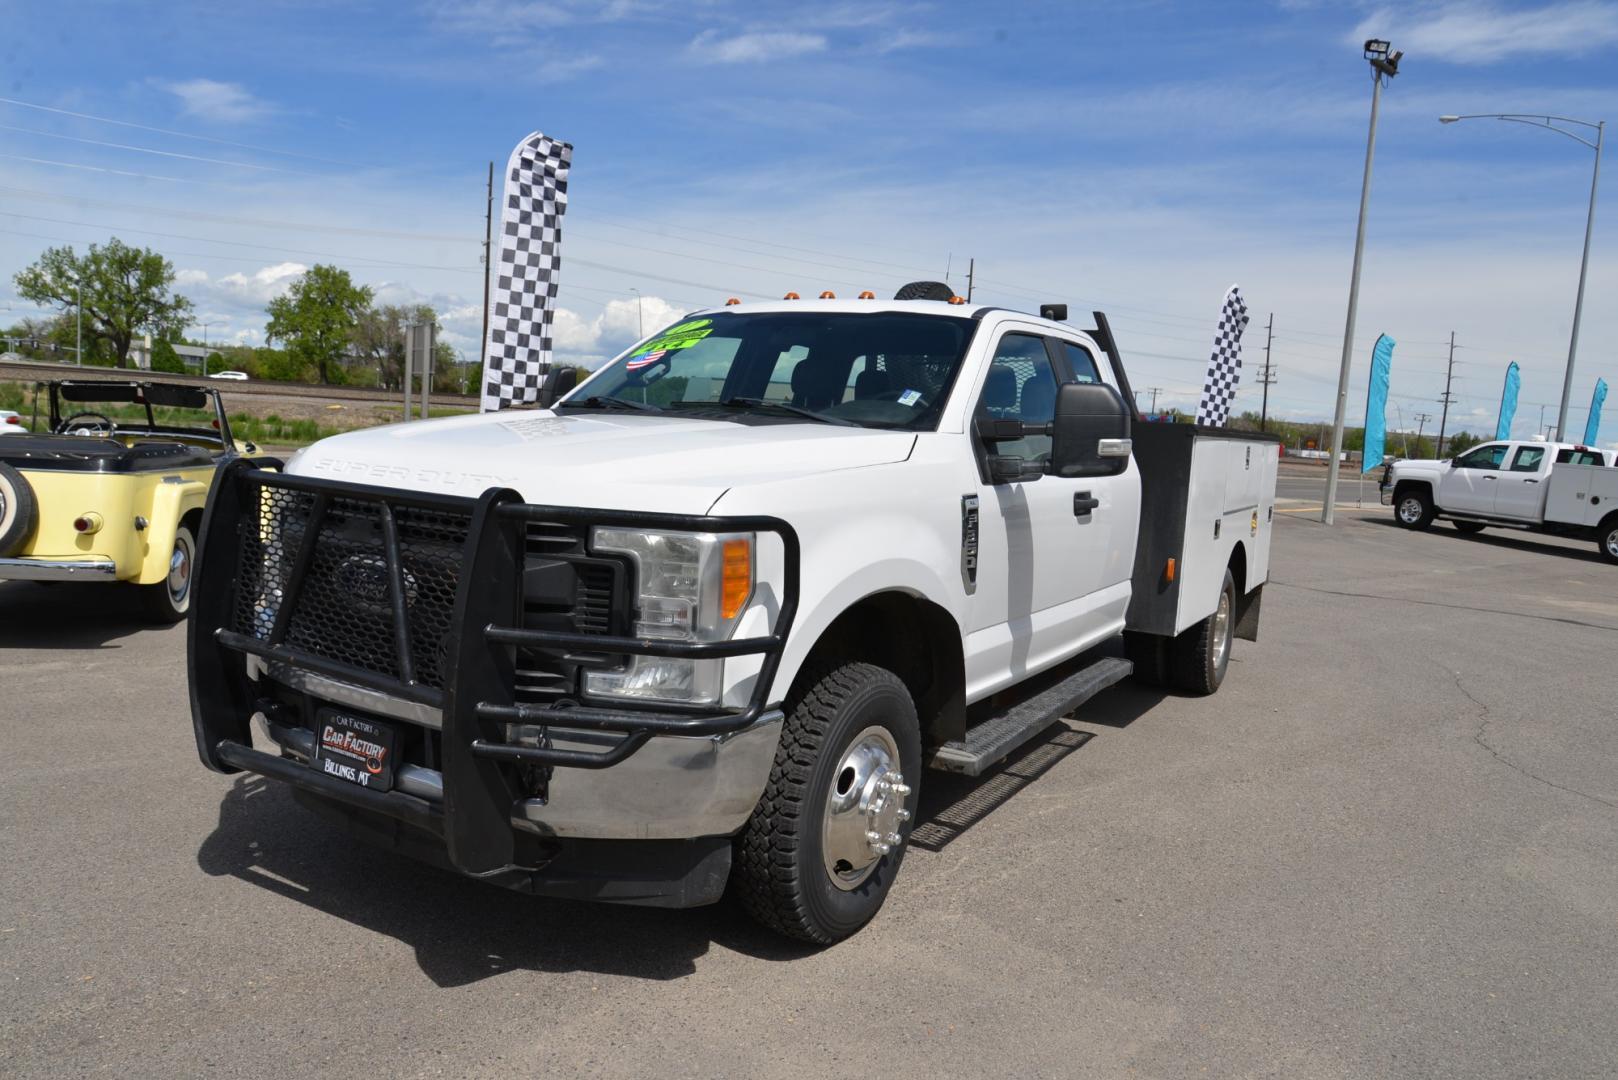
(170, 503)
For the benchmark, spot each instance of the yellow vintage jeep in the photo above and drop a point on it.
(114, 491)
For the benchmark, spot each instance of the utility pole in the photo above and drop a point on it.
(488, 232)
(1267, 379)
(971, 269)
(640, 316)
(1384, 64)
(1421, 422)
(1448, 397)
(1542, 432)
(78, 316)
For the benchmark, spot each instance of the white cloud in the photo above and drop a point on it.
(223, 102)
(754, 47)
(617, 326)
(1476, 33)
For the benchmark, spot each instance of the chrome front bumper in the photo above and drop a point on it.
(675, 787)
(58, 570)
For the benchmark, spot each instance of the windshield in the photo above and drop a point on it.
(108, 408)
(885, 369)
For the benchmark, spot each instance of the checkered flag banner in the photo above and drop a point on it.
(1225, 366)
(521, 304)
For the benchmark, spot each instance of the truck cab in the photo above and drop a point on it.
(706, 619)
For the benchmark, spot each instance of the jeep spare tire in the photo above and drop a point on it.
(19, 510)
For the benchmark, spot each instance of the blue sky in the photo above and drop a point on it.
(1135, 157)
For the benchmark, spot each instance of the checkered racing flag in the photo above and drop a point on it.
(1225, 366)
(518, 352)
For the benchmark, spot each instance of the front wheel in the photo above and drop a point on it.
(1198, 658)
(1414, 509)
(170, 599)
(819, 854)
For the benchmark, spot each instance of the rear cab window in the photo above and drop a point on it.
(1569, 456)
(1528, 459)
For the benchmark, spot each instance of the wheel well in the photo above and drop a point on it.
(916, 640)
(1238, 569)
(1403, 486)
(192, 519)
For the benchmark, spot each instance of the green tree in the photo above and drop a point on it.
(123, 291)
(214, 364)
(164, 358)
(1459, 442)
(317, 319)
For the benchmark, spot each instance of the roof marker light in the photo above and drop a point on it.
(957, 299)
(867, 295)
(828, 295)
(791, 296)
(733, 301)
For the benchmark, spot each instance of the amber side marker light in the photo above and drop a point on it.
(1168, 570)
(736, 580)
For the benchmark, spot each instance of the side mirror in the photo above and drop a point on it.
(558, 383)
(1090, 433)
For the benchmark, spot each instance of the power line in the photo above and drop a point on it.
(150, 150)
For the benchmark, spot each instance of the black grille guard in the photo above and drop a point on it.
(477, 699)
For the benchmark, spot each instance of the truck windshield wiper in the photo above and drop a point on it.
(607, 401)
(782, 406)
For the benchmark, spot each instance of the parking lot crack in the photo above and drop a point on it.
(1480, 737)
(1440, 604)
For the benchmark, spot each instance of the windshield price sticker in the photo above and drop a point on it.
(910, 397)
(354, 749)
(671, 340)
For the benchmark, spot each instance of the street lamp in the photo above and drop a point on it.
(1384, 61)
(1549, 123)
(640, 317)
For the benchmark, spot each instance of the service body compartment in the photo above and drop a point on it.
(1581, 494)
(1205, 493)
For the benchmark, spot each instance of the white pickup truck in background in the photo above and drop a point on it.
(707, 618)
(1563, 489)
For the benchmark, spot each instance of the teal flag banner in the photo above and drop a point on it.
(1376, 405)
(1593, 425)
(1508, 401)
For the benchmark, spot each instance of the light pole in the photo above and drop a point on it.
(640, 316)
(1549, 123)
(1384, 64)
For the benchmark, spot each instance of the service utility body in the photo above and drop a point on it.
(703, 622)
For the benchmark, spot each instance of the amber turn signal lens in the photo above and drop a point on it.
(1168, 571)
(736, 581)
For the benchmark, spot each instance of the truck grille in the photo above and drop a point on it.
(344, 609)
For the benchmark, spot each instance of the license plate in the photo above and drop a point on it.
(354, 749)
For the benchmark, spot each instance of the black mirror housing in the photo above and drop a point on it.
(1090, 433)
(559, 382)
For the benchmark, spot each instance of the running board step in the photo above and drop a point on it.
(999, 735)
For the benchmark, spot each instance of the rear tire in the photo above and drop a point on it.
(1199, 657)
(1413, 508)
(19, 511)
(1607, 538)
(1469, 528)
(799, 865)
(169, 600)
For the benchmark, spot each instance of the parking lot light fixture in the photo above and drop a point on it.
(1559, 124)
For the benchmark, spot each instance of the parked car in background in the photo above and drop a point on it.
(114, 490)
(11, 423)
(237, 376)
(1559, 488)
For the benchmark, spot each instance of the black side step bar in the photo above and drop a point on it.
(995, 738)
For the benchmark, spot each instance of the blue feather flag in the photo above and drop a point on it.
(1376, 405)
(1508, 401)
(1593, 425)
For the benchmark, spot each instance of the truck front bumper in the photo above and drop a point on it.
(58, 570)
(547, 798)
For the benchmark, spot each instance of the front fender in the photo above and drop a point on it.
(170, 503)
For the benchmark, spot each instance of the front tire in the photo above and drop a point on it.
(1199, 657)
(1414, 508)
(168, 601)
(819, 854)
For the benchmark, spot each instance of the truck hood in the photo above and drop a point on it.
(620, 461)
(1407, 468)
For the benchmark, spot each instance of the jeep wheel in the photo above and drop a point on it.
(1607, 538)
(170, 599)
(822, 848)
(18, 510)
(1414, 509)
(1198, 658)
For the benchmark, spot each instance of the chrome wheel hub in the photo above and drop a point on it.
(179, 579)
(1410, 510)
(1612, 541)
(1221, 629)
(865, 808)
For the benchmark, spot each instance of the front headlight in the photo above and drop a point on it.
(690, 587)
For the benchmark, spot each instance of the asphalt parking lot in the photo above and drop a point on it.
(1386, 848)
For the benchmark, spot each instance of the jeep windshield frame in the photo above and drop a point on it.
(891, 370)
(69, 396)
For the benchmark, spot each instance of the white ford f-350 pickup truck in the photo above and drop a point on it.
(1559, 488)
(705, 620)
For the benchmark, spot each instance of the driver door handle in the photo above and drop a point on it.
(1083, 503)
